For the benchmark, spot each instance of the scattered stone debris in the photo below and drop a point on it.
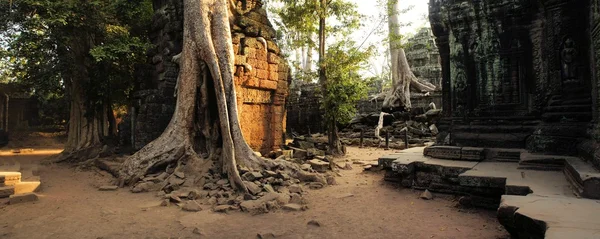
(265, 235)
(426, 195)
(345, 195)
(419, 125)
(191, 206)
(292, 207)
(271, 188)
(313, 223)
(197, 231)
(108, 188)
(222, 208)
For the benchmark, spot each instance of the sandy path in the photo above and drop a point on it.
(71, 207)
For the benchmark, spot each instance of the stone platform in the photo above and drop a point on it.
(17, 179)
(512, 186)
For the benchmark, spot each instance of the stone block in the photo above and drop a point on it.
(250, 53)
(482, 181)
(261, 54)
(273, 58)
(7, 191)
(263, 65)
(443, 152)
(240, 60)
(274, 76)
(252, 82)
(22, 198)
(274, 67)
(472, 154)
(26, 187)
(319, 165)
(9, 178)
(272, 47)
(262, 74)
(386, 161)
(268, 84)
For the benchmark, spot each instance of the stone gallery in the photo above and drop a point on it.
(520, 106)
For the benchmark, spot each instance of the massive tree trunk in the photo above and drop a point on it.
(85, 122)
(206, 65)
(402, 76)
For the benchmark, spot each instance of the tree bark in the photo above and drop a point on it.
(85, 130)
(206, 40)
(402, 76)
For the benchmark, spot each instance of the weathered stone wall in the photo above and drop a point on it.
(261, 77)
(516, 62)
(304, 113)
(424, 58)
(154, 101)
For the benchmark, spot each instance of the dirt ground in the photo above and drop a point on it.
(71, 206)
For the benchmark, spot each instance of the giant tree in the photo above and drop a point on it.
(403, 78)
(206, 99)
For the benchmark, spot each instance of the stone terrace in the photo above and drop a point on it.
(537, 196)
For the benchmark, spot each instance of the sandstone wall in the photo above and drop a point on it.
(261, 76)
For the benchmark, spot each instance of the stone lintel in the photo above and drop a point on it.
(472, 154)
(443, 152)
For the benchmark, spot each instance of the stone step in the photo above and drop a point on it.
(583, 176)
(6, 191)
(570, 108)
(501, 140)
(558, 116)
(504, 154)
(581, 101)
(542, 162)
(515, 181)
(549, 217)
(495, 128)
(26, 187)
(455, 153)
(9, 178)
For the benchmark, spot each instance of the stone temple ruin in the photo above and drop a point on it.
(520, 111)
(261, 78)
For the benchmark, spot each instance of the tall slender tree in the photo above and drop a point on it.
(346, 19)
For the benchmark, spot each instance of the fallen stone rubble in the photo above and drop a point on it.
(421, 128)
(269, 189)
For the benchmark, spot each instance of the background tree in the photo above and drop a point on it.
(297, 23)
(337, 19)
(84, 49)
(403, 78)
(345, 86)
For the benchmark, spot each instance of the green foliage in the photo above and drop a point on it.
(298, 23)
(345, 85)
(47, 44)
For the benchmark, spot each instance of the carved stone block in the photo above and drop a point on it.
(472, 154)
(443, 152)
